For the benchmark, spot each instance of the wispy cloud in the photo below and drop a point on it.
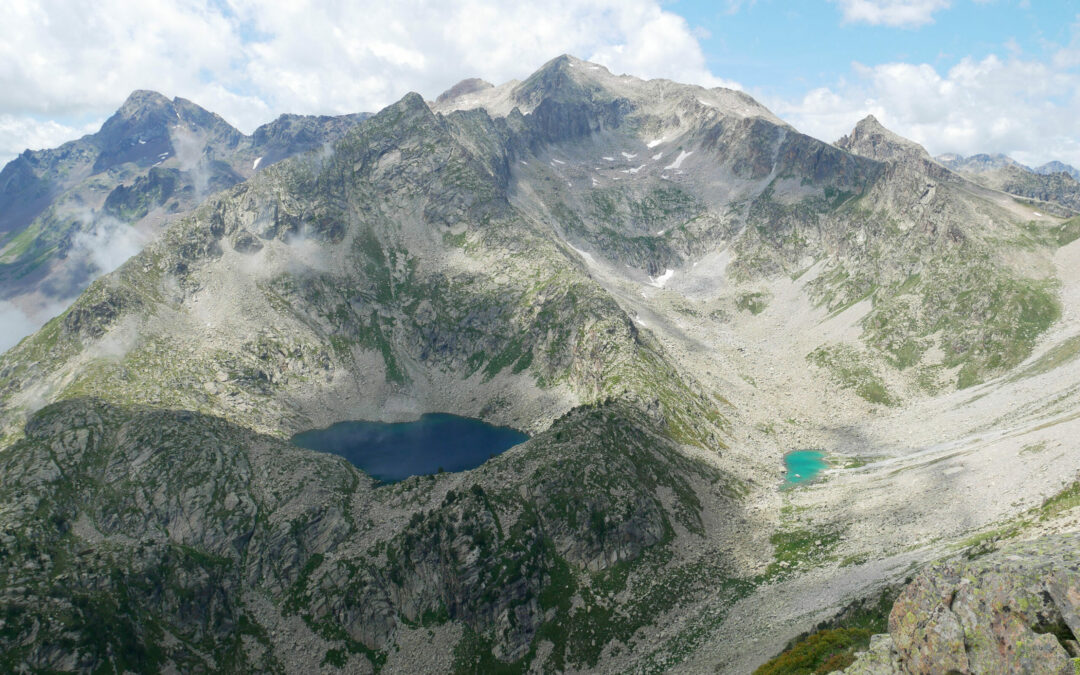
(901, 13)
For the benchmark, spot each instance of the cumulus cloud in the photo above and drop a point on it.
(904, 13)
(106, 244)
(250, 60)
(19, 133)
(1017, 106)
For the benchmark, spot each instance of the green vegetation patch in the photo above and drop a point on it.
(1068, 232)
(833, 644)
(800, 548)
(851, 370)
(755, 303)
(985, 319)
(1055, 357)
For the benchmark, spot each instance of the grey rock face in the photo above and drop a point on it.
(1014, 611)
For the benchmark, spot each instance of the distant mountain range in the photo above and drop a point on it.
(1053, 182)
(74, 212)
(983, 162)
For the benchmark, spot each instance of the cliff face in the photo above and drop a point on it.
(1014, 611)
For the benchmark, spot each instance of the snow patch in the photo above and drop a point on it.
(657, 156)
(255, 164)
(524, 162)
(1037, 213)
(142, 142)
(608, 159)
(663, 278)
(628, 155)
(653, 144)
(558, 161)
(594, 181)
(661, 232)
(678, 162)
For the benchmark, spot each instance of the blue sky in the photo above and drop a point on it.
(956, 75)
(786, 47)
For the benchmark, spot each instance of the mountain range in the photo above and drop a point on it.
(1053, 182)
(70, 214)
(667, 286)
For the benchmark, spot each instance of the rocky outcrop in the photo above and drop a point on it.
(1014, 611)
(870, 139)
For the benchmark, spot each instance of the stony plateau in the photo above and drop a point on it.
(668, 287)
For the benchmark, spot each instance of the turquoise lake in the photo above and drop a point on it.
(803, 465)
(391, 452)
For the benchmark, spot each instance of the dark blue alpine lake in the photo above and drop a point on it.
(391, 452)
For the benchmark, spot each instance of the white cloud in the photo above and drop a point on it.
(14, 325)
(105, 244)
(1023, 108)
(20, 133)
(250, 60)
(905, 13)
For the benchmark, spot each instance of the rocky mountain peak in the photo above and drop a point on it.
(870, 124)
(979, 163)
(1058, 167)
(871, 139)
(140, 130)
(467, 86)
(411, 104)
(562, 79)
(140, 102)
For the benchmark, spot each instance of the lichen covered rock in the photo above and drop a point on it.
(1015, 611)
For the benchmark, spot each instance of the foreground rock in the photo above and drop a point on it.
(1016, 611)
